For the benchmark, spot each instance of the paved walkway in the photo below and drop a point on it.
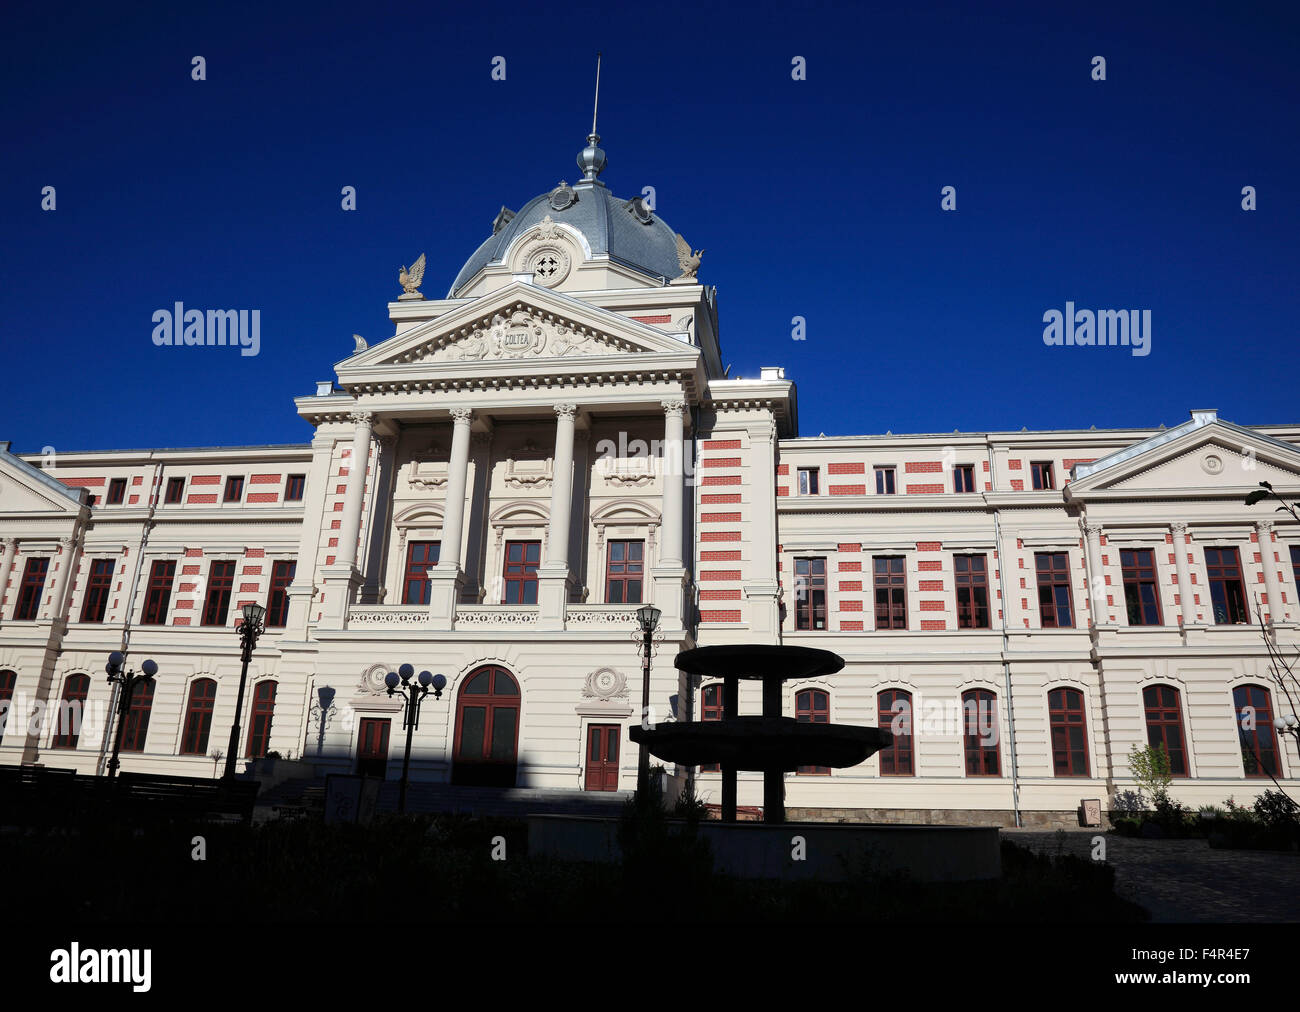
(1186, 881)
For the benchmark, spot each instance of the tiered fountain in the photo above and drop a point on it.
(772, 743)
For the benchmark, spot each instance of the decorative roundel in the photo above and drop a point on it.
(1212, 463)
(562, 196)
(606, 682)
(549, 265)
(642, 210)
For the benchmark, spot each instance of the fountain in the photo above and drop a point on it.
(772, 743)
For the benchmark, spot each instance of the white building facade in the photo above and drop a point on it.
(491, 493)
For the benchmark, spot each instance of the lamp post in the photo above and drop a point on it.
(248, 630)
(648, 617)
(1288, 725)
(127, 680)
(414, 696)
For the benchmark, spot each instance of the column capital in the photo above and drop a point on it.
(462, 416)
(67, 542)
(1091, 530)
(1264, 527)
(362, 417)
(8, 543)
(387, 442)
(1178, 528)
(566, 410)
(481, 438)
(673, 405)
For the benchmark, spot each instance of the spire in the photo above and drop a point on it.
(591, 160)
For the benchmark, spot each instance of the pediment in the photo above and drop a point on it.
(1213, 460)
(25, 489)
(517, 325)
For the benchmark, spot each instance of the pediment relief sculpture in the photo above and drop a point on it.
(523, 334)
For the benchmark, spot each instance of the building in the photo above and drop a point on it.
(492, 491)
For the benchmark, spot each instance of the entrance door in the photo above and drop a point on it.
(487, 729)
(372, 749)
(602, 757)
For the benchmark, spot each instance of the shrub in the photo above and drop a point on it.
(1150, 768)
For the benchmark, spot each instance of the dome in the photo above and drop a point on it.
(623, 229)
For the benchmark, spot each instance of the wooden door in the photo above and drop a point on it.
(602, 757)
(372, 747)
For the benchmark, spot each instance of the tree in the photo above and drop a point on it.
(1150, 768)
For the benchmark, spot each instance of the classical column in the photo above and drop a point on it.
(557, 535)
(673, 478)
(350, 528)
(57, 603)
(1276, 609)
(1187, 601)
(1096, 578)
(8, 549)
(446, 578)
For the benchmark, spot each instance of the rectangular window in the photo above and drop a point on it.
(116, 491)
(808, 481)
(97, 590)
(277, 602)
(293, 487)
(1141, 593)
(970, 576)
(624, 572)
(175, 491)
(1042, 472)
(891, 591)
(159, 594)
(810, 593)
(884, 481)
(1055, 601)
(1227, 590)
(1069, 732)
(963, 478)
(234, 489)
(421, 556)
(522, 560)
(221, 581)
(894, 713)
(29, 591)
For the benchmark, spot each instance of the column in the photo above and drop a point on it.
(553, 575)
(1096, 578)
(8, 549)
(350, 529)
(1276, 609)
(56, 605)
(1188, 603)
(673, 478)
(302, 592)
(476, 546)
(761, 588)
(447, 577)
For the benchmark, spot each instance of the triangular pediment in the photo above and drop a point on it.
(27, 490)
(514, 326)
(1204, 458)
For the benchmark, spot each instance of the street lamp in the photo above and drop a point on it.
(414, 696)
(1288, 725)
(248, 630)
(648, 618)
(128, 680)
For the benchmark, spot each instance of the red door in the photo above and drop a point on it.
(487, 729)
(602, 757)
(372, 750)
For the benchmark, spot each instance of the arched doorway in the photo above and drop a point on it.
(487, 729)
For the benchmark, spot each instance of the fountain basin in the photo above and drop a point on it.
(778, 744)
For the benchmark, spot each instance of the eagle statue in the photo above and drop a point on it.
(410, 280)
(688, 259)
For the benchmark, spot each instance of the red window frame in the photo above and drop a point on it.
(520, 572)
(294, 485)
(67, 728)
(198, 716)
(31, 588)
(711, 709)
(1227, 586)
(886, 481)
(8, 680)
(98, 586)
(234, 488)
(624, 572)
(175, 491)
(810, 593)
(813, 706)
(971, 586)
(221, 584)
(1162, 705)
(1259, 751)
(894, 713)
(889, 574)
(277, 598)
(259, 720)
(963, 478)
(1141, 586)
(1295, 568)
(979, 709)
(1069, 732)
(135, 723)
(421, 556)
(162, 574)
(1052, 570)
(1043, 476)
(116, 492)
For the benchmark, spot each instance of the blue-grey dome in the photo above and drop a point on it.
(612, 226)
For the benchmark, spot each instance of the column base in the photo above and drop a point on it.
(342, 585)
(444, 595)
(763, 603)
(669, 596)
(552, 597)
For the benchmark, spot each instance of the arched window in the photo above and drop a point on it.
(198, 717)
(487, 728)
(1254, 708)
(1165, 725)
(711, 709)
(1069, 732)
(135, 723)
(67, 722)
(8, 679)
(981, 733)
(259, 721)
(895, 714)
(813, 706)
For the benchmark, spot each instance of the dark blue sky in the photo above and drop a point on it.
(817, 198)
